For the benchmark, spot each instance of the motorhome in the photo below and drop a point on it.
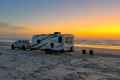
(53, 42)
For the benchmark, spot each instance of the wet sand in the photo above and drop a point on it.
(36, 65)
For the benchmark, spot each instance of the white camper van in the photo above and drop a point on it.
(53, 42)
(21, 44)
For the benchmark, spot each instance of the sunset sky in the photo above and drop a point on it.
(86, 19)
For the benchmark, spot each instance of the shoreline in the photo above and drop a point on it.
(35, 65)
(99, 49)
(110, 47)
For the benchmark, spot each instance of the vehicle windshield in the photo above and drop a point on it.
(22, 41)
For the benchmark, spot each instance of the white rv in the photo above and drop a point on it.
(53, 42)
(21, 44)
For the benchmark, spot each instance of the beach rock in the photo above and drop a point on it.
(109, 79)
(19, 65)
(71, 76)
(17, 74)
(75, 62)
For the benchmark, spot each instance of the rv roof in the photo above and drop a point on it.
(40, 35)
(49, 34)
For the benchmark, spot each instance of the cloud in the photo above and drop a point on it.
(8, 31)
(7, 26)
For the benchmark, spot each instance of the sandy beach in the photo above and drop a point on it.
(36, 65)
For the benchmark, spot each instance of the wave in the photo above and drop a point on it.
(104, 44)
(7, 41)
(99, 46)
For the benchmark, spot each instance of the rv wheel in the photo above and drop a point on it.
(47, 52)
(30, 49)
(71, 49)
(91, 52)
(62, 51)
(84, 51)
(12, 47)
(23, 47)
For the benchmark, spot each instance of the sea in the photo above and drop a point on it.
(104, 44)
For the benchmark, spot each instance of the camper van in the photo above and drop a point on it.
(53, 42)
(21, 44)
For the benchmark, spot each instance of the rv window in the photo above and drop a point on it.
(19, 41)
(60, 39)
(38, 41)
(68, 40)
(52, 45)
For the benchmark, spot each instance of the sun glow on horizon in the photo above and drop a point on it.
(95, 19)
(82, 27)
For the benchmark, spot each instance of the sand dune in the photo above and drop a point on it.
(35, 65)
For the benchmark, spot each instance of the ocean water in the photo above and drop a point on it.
(99, 42)
(105, 44)
(6, 41)
(117, 47)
